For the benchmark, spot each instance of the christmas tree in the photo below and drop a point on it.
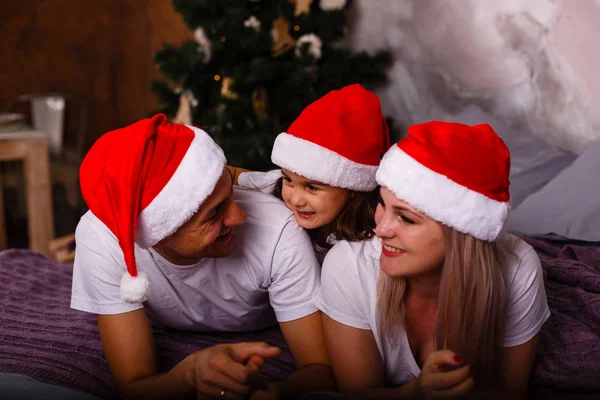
(254, 65)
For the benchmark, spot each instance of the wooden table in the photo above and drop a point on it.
(32, 148)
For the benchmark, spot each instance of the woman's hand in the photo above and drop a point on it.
(227, 371)
(444, 377)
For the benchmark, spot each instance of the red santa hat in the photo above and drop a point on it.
(456, 174)
(145, 181)
(337, 140)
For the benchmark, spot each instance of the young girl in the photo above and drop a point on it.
(329, 157)
(441, 303)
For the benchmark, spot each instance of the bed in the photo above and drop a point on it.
(41, 337)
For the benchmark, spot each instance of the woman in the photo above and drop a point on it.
(441, 303)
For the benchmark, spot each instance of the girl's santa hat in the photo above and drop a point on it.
(457, 174)
(144, 182)
(337, 140)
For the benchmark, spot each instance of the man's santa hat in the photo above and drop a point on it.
(144, 182)
(337, 140)
(456, 174)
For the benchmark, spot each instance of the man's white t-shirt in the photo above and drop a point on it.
(348, 295)
(271, 276)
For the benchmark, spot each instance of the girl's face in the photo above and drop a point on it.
(314, 204)
(413, 245)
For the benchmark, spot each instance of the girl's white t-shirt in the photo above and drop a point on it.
(271, 276)
(348, 295)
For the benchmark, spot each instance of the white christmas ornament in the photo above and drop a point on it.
(190, 96)
(315, 45)
(332, 5)
(253, 23)
(204, 45)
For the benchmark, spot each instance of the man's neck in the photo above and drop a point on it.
(176, 259)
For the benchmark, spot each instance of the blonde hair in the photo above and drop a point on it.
(471, 304)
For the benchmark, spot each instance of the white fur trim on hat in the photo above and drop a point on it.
(193, 181)
(323, 165)
(134, 289)
(441, 198)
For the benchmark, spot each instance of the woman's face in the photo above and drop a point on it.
(413, 245)
(314, 204)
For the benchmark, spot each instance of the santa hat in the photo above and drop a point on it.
(145, 181)
(456, 174)
(337, 140)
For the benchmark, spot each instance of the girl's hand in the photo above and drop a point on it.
(444, 377)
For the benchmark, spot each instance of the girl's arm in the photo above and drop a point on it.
(235, 172)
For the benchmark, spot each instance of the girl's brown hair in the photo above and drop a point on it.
(357, 220)
(471, 303)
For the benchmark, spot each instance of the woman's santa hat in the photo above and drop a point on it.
(337, 140)
(144, 182)
(457, 174)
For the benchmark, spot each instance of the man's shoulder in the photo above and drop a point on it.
(92, 233)
(91, 227)
(262, 208)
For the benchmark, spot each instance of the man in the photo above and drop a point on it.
(165, 234)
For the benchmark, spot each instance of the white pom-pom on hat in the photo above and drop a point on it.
(134, 289)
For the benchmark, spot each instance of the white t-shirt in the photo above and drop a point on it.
(348, 295)
(258, 180)
(271, 276)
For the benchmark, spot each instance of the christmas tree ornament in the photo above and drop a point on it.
(280, 34)
(332, 5)
(315, 45)
(184, 113)
(301, 7)
(204, 45)
(260, 102)
(226, 89)
(253, 23)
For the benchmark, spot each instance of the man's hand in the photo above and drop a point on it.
(444, 377)
(227, 371)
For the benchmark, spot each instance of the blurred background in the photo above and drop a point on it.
(244, 69)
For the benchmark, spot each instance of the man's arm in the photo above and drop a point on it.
(305, 338)
(129, 348)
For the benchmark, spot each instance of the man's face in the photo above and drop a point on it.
(209, 233)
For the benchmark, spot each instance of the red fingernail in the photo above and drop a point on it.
(458, 359)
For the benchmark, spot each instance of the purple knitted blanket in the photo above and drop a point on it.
(42, 337)
(568, 360)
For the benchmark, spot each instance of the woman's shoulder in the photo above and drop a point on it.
(361, 256)
(522, 263)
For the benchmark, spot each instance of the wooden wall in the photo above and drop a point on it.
(100, 49)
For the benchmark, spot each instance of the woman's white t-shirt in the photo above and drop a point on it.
(271, 276)
(348, 295)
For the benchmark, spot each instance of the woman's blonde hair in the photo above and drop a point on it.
(471, 303)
